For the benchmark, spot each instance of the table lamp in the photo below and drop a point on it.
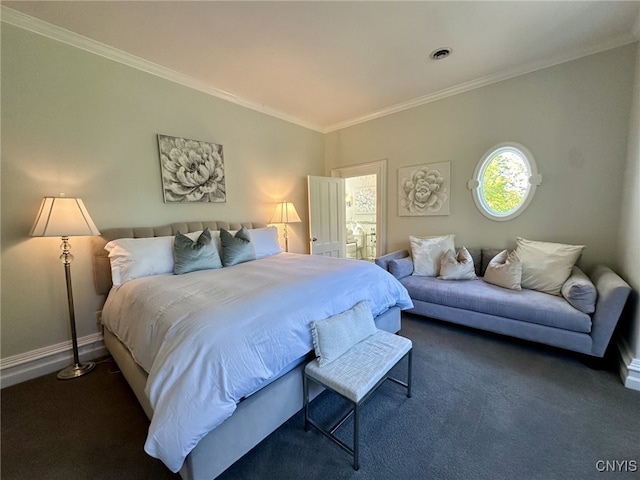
(285, 212)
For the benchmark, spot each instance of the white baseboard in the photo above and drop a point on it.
(25, 366)
(629, 367)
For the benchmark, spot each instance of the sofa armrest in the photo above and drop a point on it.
(613, 292)
(384, 260)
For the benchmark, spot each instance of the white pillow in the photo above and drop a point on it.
(426, 253)
(333, 336)
(457, 267)
(139, 257)
(504, 270)
(545, 265)
(265, 241)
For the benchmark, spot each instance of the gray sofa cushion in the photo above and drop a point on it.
(479, 296)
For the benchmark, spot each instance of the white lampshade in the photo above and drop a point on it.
(63, 217)
(285, 212)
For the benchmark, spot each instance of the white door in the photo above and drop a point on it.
(326, 216)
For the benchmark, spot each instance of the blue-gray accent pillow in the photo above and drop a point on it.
(236, 248)
(580, 291)
(191, 255)
(401, 267)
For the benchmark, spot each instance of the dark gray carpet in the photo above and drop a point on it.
(483, 407)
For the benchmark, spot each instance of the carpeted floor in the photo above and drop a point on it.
(483, 407)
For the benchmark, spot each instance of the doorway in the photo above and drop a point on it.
(360, 215)
(365, 209)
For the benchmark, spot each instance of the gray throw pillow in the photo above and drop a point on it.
(580, 291)
(236, 248)
(401, 267)
(191, 255)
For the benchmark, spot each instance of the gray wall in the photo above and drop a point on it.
(572, 117)
(78, 123)
(629, 238)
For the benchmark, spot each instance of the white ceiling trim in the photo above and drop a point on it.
(488, 80)
(35, 25)
(21, 20)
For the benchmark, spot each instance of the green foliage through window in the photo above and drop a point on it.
(504, 182)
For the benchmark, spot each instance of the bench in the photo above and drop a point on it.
(355, 375)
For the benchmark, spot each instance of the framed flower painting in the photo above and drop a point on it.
(192, 170)
(424, 189)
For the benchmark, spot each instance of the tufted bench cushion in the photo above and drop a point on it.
(355, 373)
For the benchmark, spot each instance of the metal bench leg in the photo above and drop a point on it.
(409, 371)
(305, 399)
(356, 436)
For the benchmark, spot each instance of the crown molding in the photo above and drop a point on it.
(489, 79)
(21, 20)
(27, 22)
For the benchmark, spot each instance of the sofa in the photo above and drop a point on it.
(526, 314)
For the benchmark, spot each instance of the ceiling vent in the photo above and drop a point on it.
(440, 53)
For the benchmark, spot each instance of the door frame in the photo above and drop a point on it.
(379, 169)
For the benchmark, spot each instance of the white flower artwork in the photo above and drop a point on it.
(424, 189)
(192, 170)
(365, 200)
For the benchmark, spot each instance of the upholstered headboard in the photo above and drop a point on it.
(101, 264)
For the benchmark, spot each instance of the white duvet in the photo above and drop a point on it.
(211, 337)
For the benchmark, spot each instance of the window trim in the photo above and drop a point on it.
(534, 179)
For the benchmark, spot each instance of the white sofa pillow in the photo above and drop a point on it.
(457, 267)
(504, 270)
(427, 251)
(139, 257)
(545, 265)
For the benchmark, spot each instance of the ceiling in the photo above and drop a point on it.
(327, 65)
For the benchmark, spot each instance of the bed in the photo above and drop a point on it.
(209, 352)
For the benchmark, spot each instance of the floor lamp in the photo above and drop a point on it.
(66, 217)
(285, 212)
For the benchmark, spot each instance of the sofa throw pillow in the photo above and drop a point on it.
(546, 265)
(487, 255)
(236, 248)
(457, 267)
(580, 291)
(426, 253)
(333, 336)
(401, 267)
(504, 270)
(476, 255)
(190, 255)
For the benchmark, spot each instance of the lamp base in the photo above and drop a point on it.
(76, 370)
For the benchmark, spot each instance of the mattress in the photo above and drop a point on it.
(208, 339)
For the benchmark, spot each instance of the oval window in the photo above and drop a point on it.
(504, 181)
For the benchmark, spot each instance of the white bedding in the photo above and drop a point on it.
(209, 338)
